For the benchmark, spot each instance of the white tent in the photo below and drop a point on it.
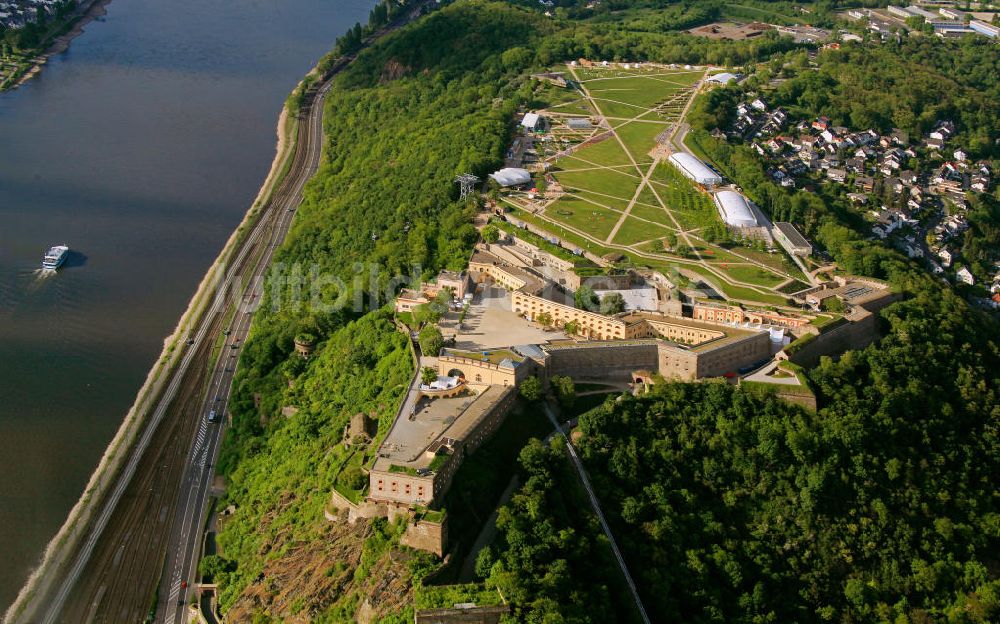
(511, 176)
(695, 169)
(723, 78)
(734, 209)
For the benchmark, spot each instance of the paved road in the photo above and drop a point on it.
(182, 555)
(183, 548)
(148, 526)
(71, 600)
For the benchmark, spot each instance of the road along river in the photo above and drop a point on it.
(141, 147)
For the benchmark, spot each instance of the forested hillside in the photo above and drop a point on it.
(400, 123)
(730, 506)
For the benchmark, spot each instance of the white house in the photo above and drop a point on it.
(531, 121)
(964, 275)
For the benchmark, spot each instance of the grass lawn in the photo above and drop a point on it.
(607, 153)
(616, 108)
(571, 238)
(607, 181)
(732, 291)
(691, 219)
(690, 141)
(691, 207)
(752, 274)
(639, 137)
(793, 287)
(588, 74)
(572, 163)
(685, 78)
(583, 215)
(669, 175)
(646, 197)
(635, 231)
(549, 95)
(617, 203)
(654, 214)
(716, 254)
(640, 91)
(777, 260)
(579, 105)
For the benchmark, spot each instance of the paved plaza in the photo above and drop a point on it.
(490, 324)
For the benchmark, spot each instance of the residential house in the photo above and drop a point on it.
(821, 124)
(965, 275)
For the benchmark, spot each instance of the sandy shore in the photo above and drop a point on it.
(64, 545)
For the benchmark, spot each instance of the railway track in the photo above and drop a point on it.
(115, 581)
(144, 541)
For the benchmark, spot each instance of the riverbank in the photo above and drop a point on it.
(63, 547)
(70, 28)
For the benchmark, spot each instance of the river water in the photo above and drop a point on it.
(140, 147)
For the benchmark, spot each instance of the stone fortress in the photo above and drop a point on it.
(661, 333)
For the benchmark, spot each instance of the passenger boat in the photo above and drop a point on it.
(55, 257)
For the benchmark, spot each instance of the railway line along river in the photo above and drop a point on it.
(141, 147)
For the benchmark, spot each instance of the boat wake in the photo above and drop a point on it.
(44, 274)
(39, 277)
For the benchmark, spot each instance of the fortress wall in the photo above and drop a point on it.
(613, 361)
(478, 372)
(590, 324)
(734, 356)
(849, 336)
(426, 535)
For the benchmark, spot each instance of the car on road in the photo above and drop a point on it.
(189, 341)
(225, 332)
(213, 416)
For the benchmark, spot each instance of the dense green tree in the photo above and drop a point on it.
(586, 299)
(564, 389)
(669, 241)
(428, 374)
(491, 233)
(531, 389)
(612, 303)
(431, 341)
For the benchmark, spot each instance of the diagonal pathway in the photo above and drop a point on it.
(646, 183)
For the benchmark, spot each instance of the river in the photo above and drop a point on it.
(140, 147)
